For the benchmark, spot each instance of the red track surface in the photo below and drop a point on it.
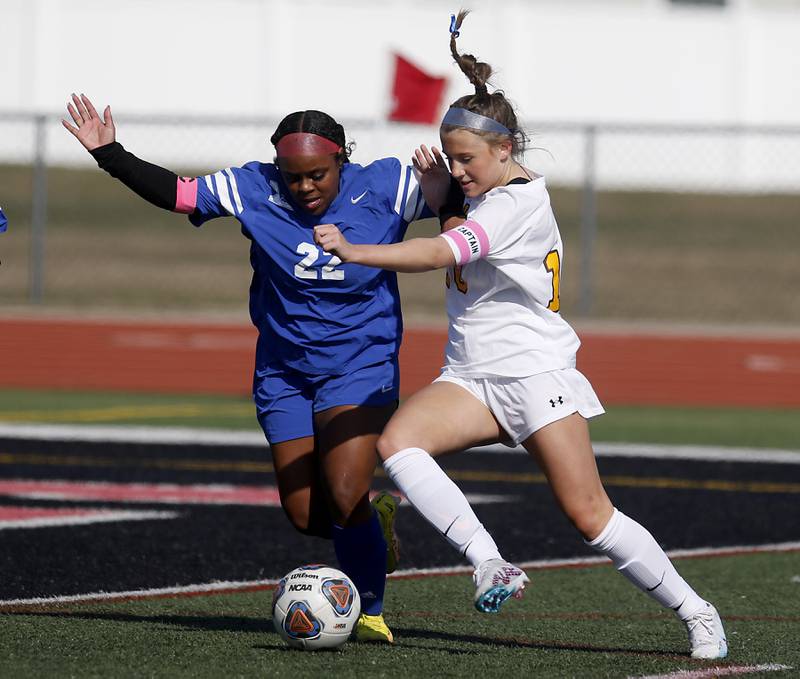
(197, 358)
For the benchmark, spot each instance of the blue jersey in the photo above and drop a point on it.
(3, 221)
(314, 313)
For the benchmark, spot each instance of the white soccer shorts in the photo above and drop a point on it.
(523, 405)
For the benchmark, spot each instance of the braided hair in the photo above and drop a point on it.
(493, 105)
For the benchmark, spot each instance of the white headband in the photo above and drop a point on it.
(461, 117)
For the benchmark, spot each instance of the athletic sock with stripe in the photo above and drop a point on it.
(441, 502)
(637, 555)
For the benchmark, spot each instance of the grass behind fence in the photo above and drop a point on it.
(657, 256)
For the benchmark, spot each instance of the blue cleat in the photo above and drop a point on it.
(497, 580)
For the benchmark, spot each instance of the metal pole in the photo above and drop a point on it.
(588, 220)
(38, 212)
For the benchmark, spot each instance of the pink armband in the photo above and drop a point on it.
(186, 195)
(468, 242)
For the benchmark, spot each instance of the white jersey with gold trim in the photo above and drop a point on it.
(503, 293)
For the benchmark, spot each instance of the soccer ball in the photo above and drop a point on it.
(315, 607)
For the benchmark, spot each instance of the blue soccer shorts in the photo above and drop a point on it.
(286, 400)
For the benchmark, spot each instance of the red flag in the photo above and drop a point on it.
(417, 95)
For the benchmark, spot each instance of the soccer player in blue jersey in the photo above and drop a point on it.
(326, 371)
(3, 221)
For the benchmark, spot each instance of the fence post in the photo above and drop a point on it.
(588, 220)
(38, 212)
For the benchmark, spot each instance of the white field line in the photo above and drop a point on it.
(96, 516)
(207, 588)
(724, 671)
(234, 586)
(132, 434)
(215, 437)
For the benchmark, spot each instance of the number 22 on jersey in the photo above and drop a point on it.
(311, 253)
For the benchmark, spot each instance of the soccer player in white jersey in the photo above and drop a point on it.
(510, 370)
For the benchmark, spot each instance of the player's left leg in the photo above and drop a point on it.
(286, 416)
(347, 436)
(442, 417)
(564, 453)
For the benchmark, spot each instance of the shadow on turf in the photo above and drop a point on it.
(211, 623)
(406, 636)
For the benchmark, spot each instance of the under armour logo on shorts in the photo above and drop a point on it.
(557, 401)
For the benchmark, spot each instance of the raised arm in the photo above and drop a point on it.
(89, 129)
(155, 184)
(410, 256)
(442, 192)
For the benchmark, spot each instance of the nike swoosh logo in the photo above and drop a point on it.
(355, 200)
(386, 387)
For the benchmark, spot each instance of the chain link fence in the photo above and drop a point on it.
(679, 223)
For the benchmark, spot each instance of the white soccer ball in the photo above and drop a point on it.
(315, 607)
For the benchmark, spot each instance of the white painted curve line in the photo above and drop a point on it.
(85, 518)
(255, 439)
(208, 588)
(133, 434)
(724, 671)
(658, 451)
(704, 453)
(193, 341)
(233, 586)
(769, 363)
(734, 550)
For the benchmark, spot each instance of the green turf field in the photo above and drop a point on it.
(59, 407)
(706, 426)
(585, 622)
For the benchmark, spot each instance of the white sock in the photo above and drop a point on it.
(441, 502)
(639, 558)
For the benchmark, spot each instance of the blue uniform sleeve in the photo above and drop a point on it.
(218, 195)
(409, 202)
(3, 221)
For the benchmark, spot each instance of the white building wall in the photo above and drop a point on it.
(611, 60)
(560, 61)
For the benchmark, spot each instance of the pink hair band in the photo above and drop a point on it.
(305, 144)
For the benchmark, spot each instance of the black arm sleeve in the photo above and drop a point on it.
(153, 183)
(453, 204)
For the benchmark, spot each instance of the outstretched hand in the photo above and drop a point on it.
(330, 239)
(434, 175)
(89, 129)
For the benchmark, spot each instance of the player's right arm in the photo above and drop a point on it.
(410, 256)
(159, 186)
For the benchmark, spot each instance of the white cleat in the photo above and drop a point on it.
(706, 635)
(497, 580)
